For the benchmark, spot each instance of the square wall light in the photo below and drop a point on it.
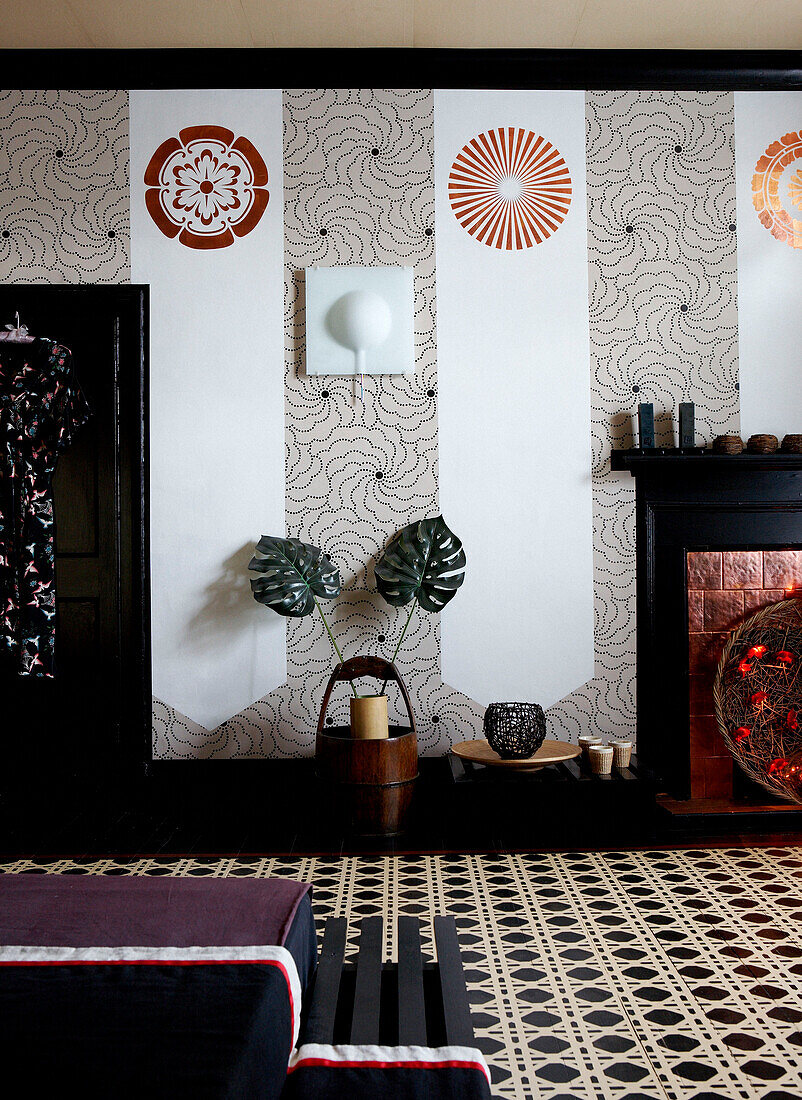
(359, 320)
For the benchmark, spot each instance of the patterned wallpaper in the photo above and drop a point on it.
(359, 189)
(64, 194)
(663, 328)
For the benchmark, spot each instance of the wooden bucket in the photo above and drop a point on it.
(371, 781)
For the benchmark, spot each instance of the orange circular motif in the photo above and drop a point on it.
(509, 188)
(206, 188)
(766, 197)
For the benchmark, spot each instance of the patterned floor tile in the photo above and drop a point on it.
(665, 975)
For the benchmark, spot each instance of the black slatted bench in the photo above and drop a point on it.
(374, 1028)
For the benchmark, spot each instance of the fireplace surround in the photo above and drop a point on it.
(698, 515)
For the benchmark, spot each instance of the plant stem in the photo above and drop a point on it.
(336, 647)
(400, 640)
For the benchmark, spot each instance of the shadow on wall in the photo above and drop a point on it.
(229, 606)
(623, 431)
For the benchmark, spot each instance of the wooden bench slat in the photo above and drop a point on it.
(323, 1008)
(367, 992)
(411, 1005)
(459, 1029)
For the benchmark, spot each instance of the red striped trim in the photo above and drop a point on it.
(357, 1064)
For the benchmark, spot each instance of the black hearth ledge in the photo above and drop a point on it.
(636, 461)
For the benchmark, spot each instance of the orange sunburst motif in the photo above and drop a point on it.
(509, 188)
(766, 197)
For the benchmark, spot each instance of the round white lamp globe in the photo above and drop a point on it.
(359, 320)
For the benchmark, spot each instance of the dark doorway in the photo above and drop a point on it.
(92, 720)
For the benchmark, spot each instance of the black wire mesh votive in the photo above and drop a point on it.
(515, 730)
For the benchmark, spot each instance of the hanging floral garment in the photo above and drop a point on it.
(41, 407)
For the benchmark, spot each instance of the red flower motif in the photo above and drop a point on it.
(206, 188)
(785, 657)
(792, 720)
(744, 667)
(759, 698)
(777, 766)
(742, 733)
(756, 651)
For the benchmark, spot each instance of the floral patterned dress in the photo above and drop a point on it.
(41, 407)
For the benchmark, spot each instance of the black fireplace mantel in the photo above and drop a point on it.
(686, 503)
(637, 461)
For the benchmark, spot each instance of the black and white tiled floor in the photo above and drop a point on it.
(629, 976)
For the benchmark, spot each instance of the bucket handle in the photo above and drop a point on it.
(365, 666)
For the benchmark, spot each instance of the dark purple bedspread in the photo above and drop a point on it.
(192, 1015)
(101, 911)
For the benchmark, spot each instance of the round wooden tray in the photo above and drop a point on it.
(550, 752)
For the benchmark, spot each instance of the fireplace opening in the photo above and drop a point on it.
(725, 587)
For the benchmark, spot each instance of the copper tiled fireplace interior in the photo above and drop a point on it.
(724, 588)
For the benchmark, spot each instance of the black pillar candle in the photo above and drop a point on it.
(687, 432)
(646, 426)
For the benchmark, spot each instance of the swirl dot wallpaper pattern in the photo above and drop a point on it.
(359, 189)
(663, 328)
(64, 188)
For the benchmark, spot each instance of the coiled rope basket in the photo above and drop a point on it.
(757, 695)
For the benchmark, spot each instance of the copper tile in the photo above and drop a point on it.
(723, 610)
(782, 569)
(742, 569)
(697, 776)
(705, 651)
(718, 777)
(704, 569)
(753, 601)
(696, 611)
(705, 737)
(701, 693)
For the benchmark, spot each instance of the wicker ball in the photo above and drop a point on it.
(762, 444)
(758, 697)
(728, 445)
(792, 444)
(515, 730)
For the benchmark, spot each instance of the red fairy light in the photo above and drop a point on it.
(777, 765)
(744, 667)
(759, 698)
(756, 651)
(785, 657)
(742, 733)
(792, 720)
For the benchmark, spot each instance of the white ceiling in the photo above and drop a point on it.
(657, 24)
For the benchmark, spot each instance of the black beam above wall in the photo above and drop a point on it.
(403, 67)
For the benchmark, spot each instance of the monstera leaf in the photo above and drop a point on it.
(424, 560)
(293, 573)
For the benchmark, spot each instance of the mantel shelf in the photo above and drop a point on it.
(638, 461)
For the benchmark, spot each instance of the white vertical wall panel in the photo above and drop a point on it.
(514, 412)
(217, 419)
(769, 270)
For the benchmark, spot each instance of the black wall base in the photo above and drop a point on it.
(276, 807)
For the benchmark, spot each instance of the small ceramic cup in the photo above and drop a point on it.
(601, 759)
(622, 753)
(586, 742)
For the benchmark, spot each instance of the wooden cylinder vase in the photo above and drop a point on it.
(369, 717)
